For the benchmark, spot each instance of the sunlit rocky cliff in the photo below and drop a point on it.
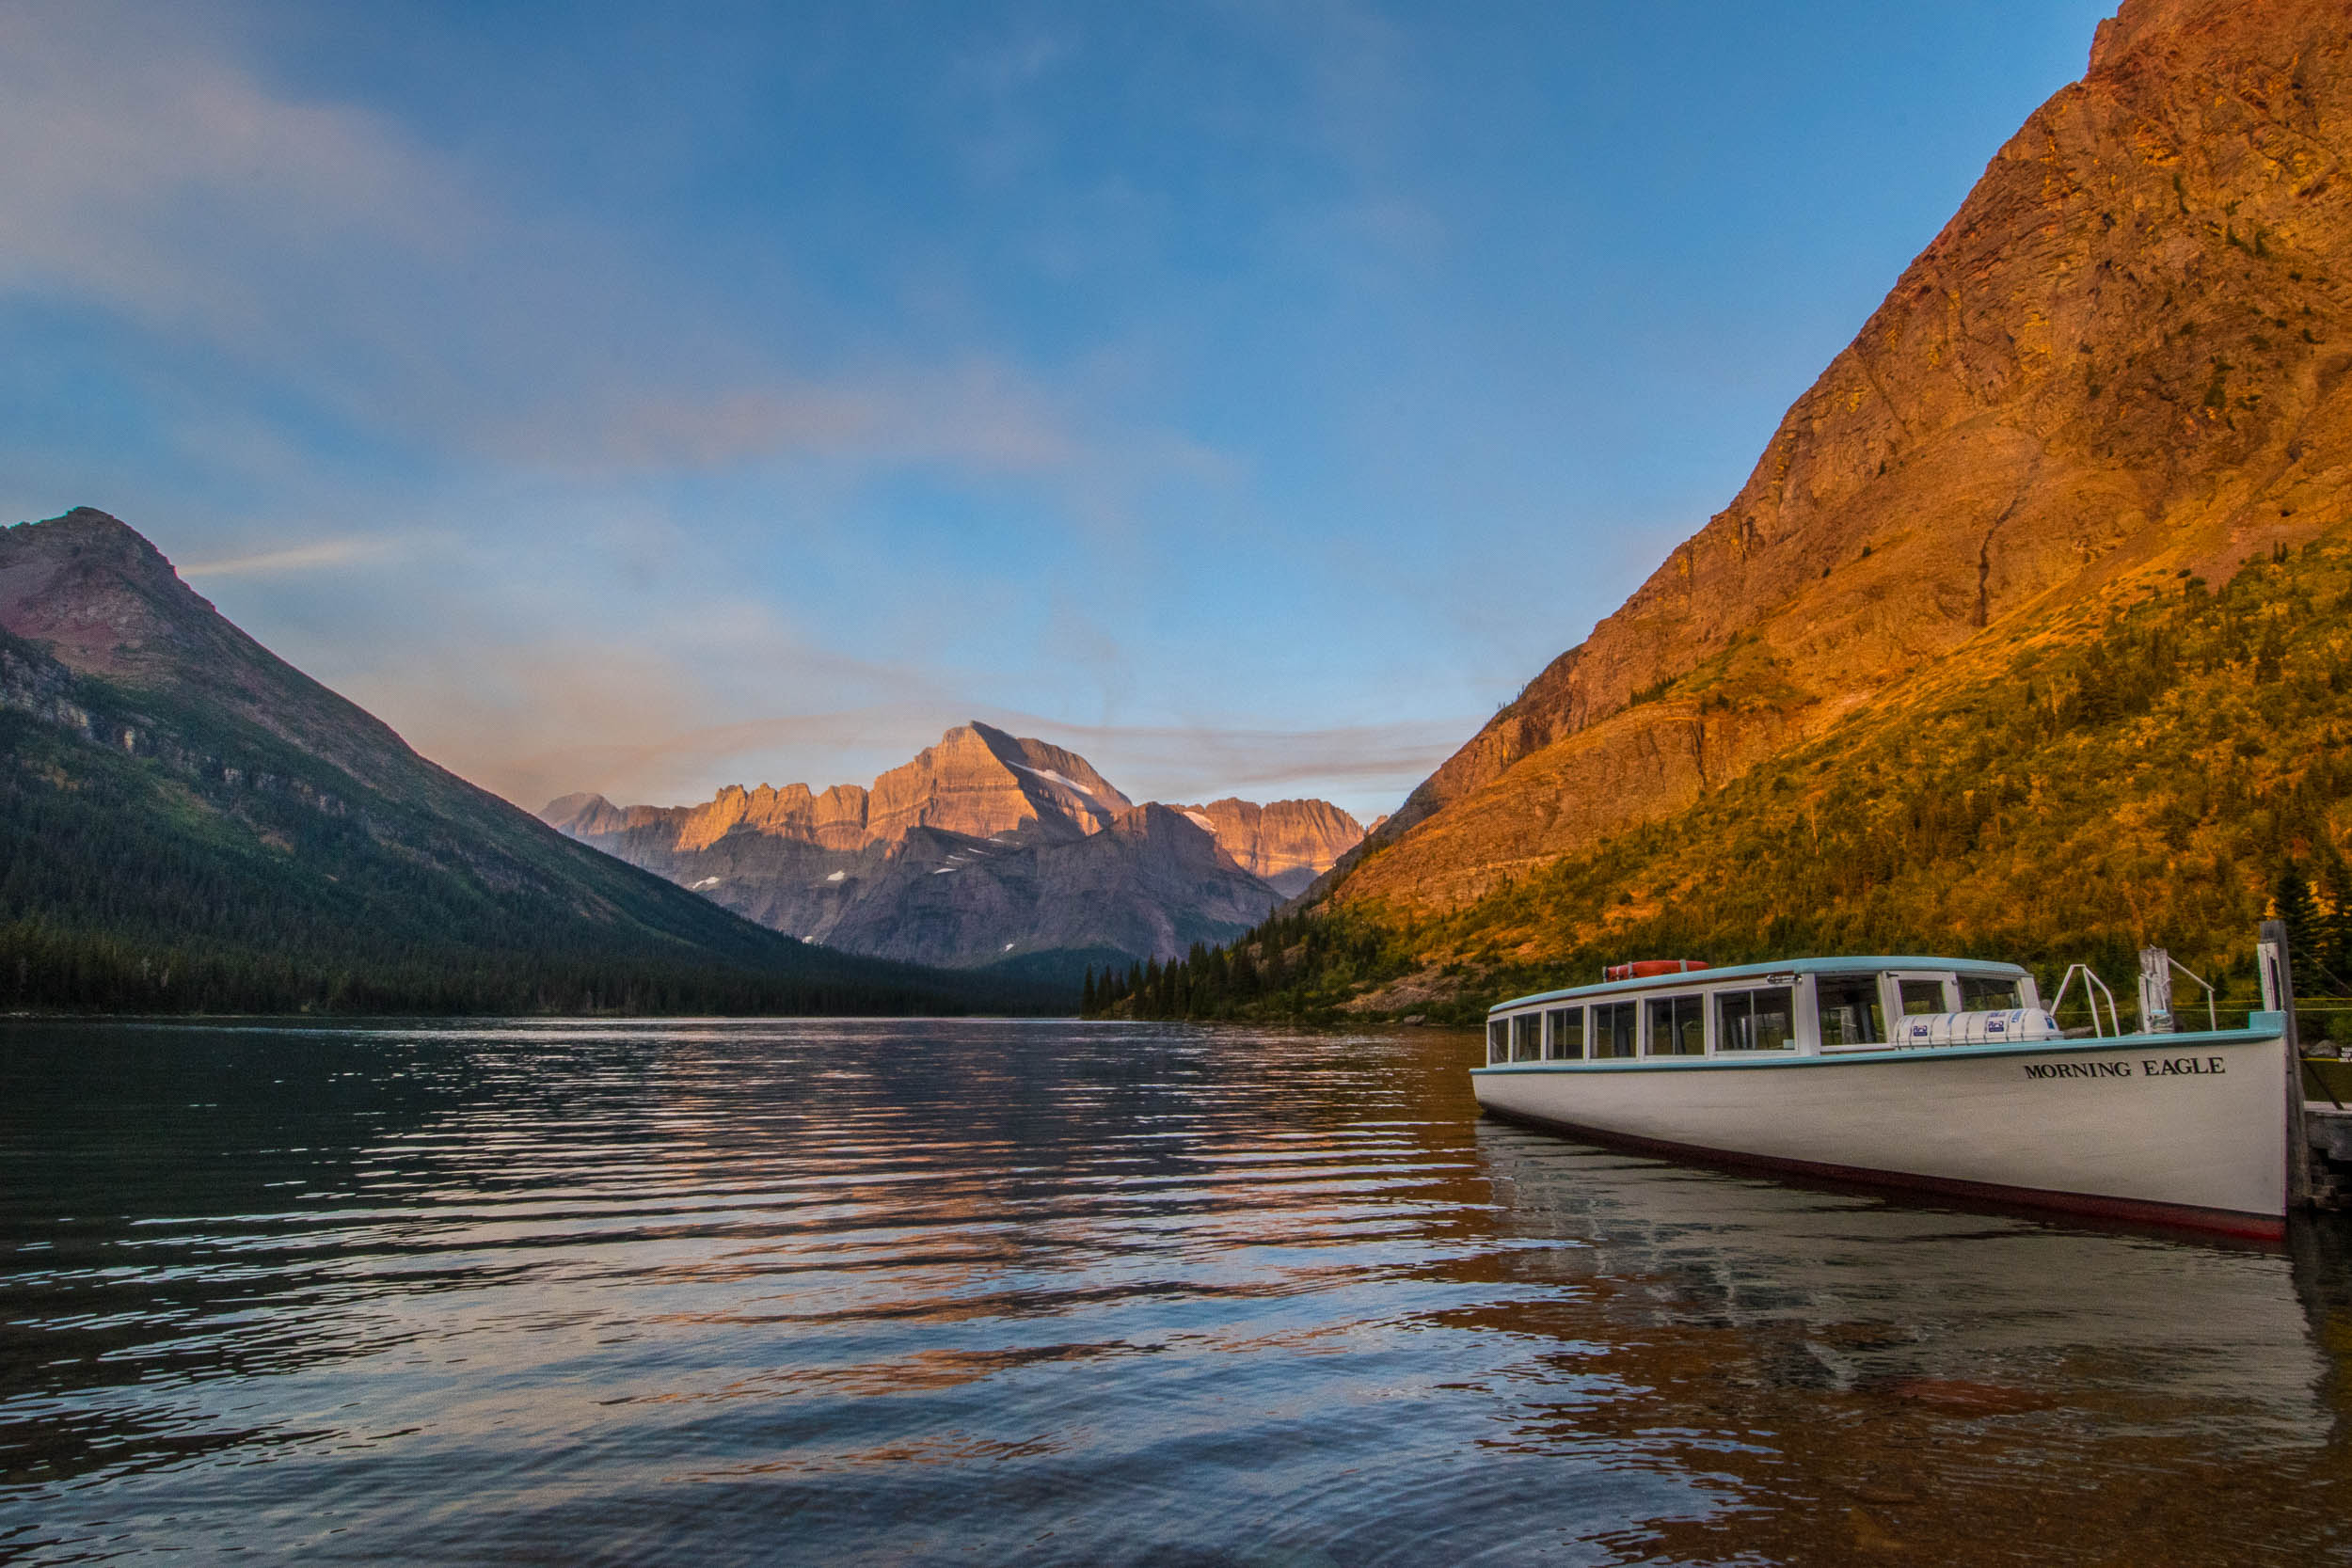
(986, 849)
(2116, 375)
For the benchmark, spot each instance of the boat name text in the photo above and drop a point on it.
(2149, 1067)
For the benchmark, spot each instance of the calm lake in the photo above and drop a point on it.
(1053, 1292)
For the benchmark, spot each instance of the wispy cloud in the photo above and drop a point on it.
(1197, 761)
(155, 172)
(321, 555)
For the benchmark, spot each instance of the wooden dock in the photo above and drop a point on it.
(2327, 1132)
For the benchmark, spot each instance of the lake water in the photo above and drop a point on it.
(1051, 1292)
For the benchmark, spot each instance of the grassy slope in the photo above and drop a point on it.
(2136, 773)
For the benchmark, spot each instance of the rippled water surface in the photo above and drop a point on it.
(1049, 1293)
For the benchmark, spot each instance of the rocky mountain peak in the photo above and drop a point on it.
(100, 595)
(980, 781)
(103, 601)
(985, 847)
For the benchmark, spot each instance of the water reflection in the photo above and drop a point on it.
(1037, 1292)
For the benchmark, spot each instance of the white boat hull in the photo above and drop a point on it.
(2182, 1129)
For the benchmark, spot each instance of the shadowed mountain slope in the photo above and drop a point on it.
(187, 822)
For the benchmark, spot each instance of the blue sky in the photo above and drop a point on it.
(1251, 397)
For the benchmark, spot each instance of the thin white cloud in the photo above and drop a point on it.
(152, 172)
(324, 554)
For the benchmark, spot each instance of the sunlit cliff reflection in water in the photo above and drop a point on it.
(1067, 1293)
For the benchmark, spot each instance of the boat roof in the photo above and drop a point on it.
(1786, 966)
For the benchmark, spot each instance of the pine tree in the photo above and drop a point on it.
(2294, 907)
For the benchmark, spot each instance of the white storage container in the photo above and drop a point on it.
(2014, 1023)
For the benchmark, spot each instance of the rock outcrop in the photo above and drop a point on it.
(2124, 358)
(1288, 844)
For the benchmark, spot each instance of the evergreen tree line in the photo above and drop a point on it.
(44, 967)
(1278, 969)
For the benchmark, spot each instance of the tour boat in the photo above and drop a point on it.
(1943, 1074)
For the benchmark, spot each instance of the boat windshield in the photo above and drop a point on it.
(1850, 1009)
(1989, 994)
(1921, 997)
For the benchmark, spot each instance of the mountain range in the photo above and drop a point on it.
(187, 823)
(2029, 632)
(986, 850)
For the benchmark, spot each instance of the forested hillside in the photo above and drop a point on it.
(2163, 768)
(188, 824)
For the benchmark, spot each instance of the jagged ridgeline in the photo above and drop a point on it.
(1948, 674)
(988, 850)
(189, 824)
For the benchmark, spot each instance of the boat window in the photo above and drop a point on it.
(1677, 1026)
(1851, 1014)
(1497, 1040)
(1922, 996)
(1567, 1044)
(1526, 1038)
(1757, 1020)
(1989, 994)
(1612, 1028)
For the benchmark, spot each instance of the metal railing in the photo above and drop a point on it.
(2157, 969)
(2094, 989)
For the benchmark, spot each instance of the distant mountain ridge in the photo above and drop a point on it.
(986, 848)
(189, 823)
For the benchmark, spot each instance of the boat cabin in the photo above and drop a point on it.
(1760, 1011)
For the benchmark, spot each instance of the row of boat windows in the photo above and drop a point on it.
(1850, 1009)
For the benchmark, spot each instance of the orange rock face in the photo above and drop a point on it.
(2124, 358)
(1288, 843)
(981, 781)
(987, 847)
(976, 780)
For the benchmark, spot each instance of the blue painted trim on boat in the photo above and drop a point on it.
(1747, 972)
(2260, 1028)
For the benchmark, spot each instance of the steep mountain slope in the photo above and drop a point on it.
(188, 822)
(1287, 844)
(2165, 769)
(988, 849)
(2124, 358)
(1946, 674)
